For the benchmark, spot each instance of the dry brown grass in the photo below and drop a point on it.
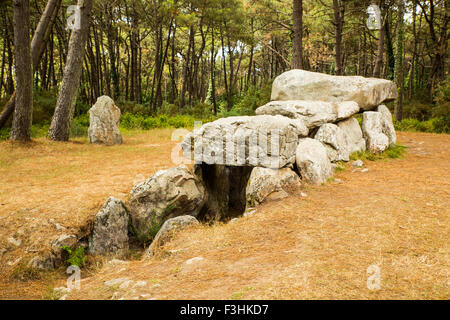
(395, 216)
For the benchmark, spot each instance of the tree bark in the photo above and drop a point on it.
(399, 75)
(62, 118)
(21, 127)
(297, 41)
(38, 44)
(380, 49)
(339, 11)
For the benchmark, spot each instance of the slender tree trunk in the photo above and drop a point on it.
(60, 126)
(297, 41)
(399, 75)
(21, 127)
(213, 69)
(339, 11)
(38, 44)
(380, 49)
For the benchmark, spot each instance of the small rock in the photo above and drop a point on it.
(358, 164)
(64, 241)
(116, 262)
(140, 284)
(234, 220)
(193, 260)
(59, 227)
(16, 242)
(125, 284)
(115, 282)
(249, 213)
(365, 170)
(339, 181)
(46, 261)
(303, 195)
(61, 290)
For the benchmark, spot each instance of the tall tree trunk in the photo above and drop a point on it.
(380, 49)
(38, 44)
(21, 127)
(297, 40)
(339, 11)
(62, 118)
(213, 69)
(399, 75)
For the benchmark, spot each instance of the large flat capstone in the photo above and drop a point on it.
(369, 93)
(259, 141)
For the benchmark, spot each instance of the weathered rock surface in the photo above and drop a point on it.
(264, 141)
(387, 124)
(265, 183)
(45, 261)
(164, 234)
(372, 127)
(355, 139)
(304, 85)
(167, 194)
(104, 118)
(313, 162)
(110, 233)
(335, 141)
(312, 113)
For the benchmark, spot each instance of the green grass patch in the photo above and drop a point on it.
(393, 152)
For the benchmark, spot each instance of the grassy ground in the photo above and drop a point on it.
(395, 216)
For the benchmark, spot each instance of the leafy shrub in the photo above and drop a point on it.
(435, 125)
(76, 257)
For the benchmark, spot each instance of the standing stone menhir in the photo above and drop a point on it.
(104, 118)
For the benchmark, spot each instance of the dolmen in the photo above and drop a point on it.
(310, 125)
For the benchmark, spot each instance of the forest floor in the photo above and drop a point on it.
(396, 216)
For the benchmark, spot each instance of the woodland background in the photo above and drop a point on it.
(168, 63)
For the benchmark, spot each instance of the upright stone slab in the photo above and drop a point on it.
(267, 183)
(259, 141)
(355, 139)
(304, 85)
(313, 162)
(387, 124)
(104, 122)
(312, 113)
(110, 234)
(372, 127)
(335, 141)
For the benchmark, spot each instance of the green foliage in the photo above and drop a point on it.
(146, 237)
(130, 121)
(248, 103)
(76, 257)
(5, 133)
(393, 152)
(434, 125)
